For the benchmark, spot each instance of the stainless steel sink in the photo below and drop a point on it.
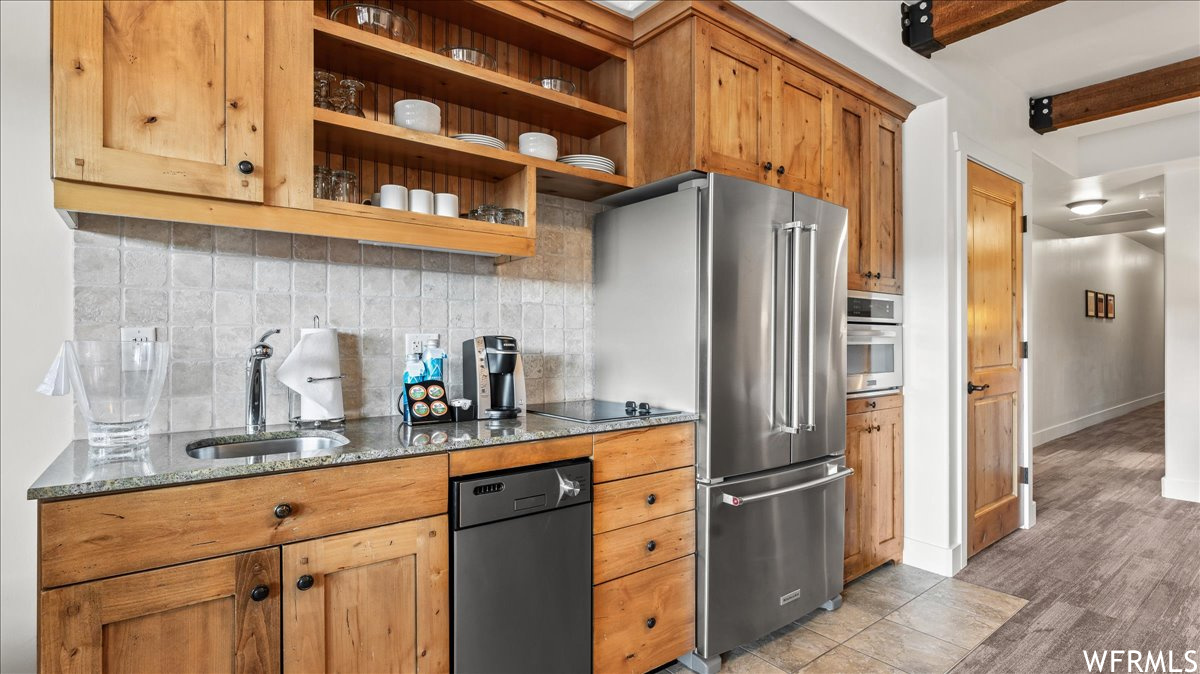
(253, 446)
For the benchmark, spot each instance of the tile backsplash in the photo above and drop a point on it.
(213, 290)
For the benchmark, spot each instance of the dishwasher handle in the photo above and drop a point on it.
(730, 499)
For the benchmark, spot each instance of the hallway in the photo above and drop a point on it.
(1110, 564)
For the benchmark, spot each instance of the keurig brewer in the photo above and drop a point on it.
(493, 377)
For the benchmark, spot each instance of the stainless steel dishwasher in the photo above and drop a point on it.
(522, 571)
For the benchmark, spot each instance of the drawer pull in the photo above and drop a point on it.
(650, 546)
(260, 592)
(650, 499)
(650, 623)
(283, 510)
(872, 404)
(304, 582)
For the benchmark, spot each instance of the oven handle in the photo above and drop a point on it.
(730, 499)
(856, 332)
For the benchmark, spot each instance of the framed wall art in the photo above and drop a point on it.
(1110, 304)
(1101, 304)
(1089, 303)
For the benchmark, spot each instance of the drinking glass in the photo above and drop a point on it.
(345, 186)
(512, 216)
(322, 183)
(322, 88)
(117, 385)
(350, 90)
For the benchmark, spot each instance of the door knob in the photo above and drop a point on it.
(971, 387)
(650, 623)
(260, 592)
(245, 167)
(650, 499)
(876, 427)
(779, 170)
(650, 546)
(767, 166)
(878, 275)
(870, 429)
(304, 582)
(283, 510)
(871, 404)
(867, 274)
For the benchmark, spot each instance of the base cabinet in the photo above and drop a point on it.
(875, 492)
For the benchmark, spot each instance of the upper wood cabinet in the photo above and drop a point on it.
(163, 96)
(803, 129)
(734, 83)
(217, 615)
(884, 173)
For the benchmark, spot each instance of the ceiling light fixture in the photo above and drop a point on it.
(1086, 207)
(1157, 230)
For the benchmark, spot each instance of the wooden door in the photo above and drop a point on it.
(376, 600)
(164, 96)
(733, 106)
(885, 490)
(857, 551)
(849, 185)
(993, 335)
(885, 203)
(219, 615)
(803, 134)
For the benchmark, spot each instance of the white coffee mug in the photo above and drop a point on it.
(420, 201)
(446, 204)
(394, 196)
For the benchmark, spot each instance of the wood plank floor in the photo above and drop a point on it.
(1110, 564)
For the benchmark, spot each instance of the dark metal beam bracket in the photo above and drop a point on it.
(1041, 114)
(916, 27)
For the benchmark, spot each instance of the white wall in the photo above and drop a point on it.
(35, 313)
(1181, 192)
(1087, 370)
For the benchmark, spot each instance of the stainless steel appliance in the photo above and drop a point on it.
(598, 411)
(521, 558)
(746, 325)
(493, 377)
(874, 342)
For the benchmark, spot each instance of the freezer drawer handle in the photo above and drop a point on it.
(732, 500)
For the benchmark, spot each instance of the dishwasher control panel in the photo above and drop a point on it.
(481, 499)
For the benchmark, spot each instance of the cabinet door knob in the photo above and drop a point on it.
(245, 167)
(304, 582)
(871, 404)
(650, 623)
(878, 275)
(283, 510)
(870, 429)
(650, 499)
(260, 592)
(779, 170)
(867, 274)
(876, 427)
(767, 166)
(650, 546)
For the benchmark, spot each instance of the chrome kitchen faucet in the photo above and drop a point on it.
(256, 390)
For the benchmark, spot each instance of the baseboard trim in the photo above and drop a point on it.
(930, 557)
(1183, 490)
(1066, 428)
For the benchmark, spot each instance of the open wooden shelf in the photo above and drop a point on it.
(375, 58)
(377, 141)
(422, 219)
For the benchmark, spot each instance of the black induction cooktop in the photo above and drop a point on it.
(598, 411)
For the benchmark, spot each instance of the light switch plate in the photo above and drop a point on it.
(414, 341)
(130, 361)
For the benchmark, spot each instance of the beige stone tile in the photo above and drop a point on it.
(955, 624)
(841, 624)
(906, 648)
(843, 659)
(991, 605)
(904, 577)
(791, 647)
(876, 597)
(739, 661)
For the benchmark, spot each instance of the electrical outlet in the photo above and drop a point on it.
(133, 358)
(414, 342)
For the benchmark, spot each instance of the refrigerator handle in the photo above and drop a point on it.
(730, 499)
(800, 333)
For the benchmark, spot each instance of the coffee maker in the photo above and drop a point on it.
(493, 377)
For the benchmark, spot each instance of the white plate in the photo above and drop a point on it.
(586, 157)
(591, 164)
(600, 167)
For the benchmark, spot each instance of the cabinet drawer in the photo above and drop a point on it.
(637, 452)
(86, 538)
(641, 499)
(860, 405)
(646, 619)
(641, 546)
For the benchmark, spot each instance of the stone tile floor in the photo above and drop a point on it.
(894, 619)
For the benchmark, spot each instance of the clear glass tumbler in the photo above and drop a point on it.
(350, 91)
(322, 182)
(323, 88)
(345, 186)
(117, 385)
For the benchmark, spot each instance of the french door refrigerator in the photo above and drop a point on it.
(728, 297)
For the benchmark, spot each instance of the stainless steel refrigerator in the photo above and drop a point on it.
(728, 297)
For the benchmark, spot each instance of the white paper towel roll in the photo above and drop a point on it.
(315, 357)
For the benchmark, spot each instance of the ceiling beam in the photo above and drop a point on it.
(1167, 84)
(927, 26)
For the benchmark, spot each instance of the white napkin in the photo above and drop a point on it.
(56, 382)
(315, 356)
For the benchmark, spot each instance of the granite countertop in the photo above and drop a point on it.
(82, 470)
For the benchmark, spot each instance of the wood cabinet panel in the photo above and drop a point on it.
(859, 405)
(641, 546)
(646, 619)
(887, 250)
(802, 144)
(202, 616)
(639, 499)
(875, 493)
(162, 96)
(86, 538)
(639, 451)
(733, 103)
(857, 553)
(369, 601)
(851, 156)
(487, 459)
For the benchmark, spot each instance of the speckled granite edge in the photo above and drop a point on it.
(81, 471)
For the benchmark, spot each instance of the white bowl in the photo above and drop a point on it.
(538, 145)
(417, 115)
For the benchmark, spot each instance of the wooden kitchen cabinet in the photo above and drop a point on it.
(803, 129)
(875, 493)
(164, 96)
(734, 83)
(217, 615)
(369, 601)
(885, 190)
